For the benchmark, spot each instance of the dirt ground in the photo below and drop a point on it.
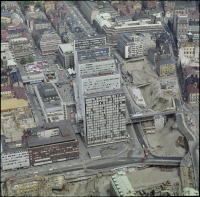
(156, 98)
(167, 139)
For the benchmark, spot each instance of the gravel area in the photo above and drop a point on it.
(167, 139)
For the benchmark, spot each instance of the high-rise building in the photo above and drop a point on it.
(102, 100)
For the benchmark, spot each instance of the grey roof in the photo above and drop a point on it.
(40, 21)
(102, 73)
(193, 23)
(52, 104)
(104, 93)
(6, 14)
(4, 80)
(122, 19)
(166, 61)
(66, 134)
(140, 16)
(15, 76)
(47, 90)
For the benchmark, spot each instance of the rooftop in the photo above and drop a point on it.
(67, 47)
(122, 185)
(100, 74)
(97, 59)
(66, 134)
(192, 89)
(104, 93)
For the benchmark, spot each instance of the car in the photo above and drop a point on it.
(139, 139)
(69, 165)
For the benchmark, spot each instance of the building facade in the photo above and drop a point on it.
(21, 47)
(15, 159)
(165, 65)
(44, 149)
(192, 93)
(182, 24)
(104, 117)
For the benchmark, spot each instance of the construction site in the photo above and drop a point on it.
(167, 141)
(157, 91)
(163, 180)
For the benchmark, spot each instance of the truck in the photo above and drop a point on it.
(146, 152)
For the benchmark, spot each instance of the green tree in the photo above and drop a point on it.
(2, 23)
(23, 60)
(30, 59)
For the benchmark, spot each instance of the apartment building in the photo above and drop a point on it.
(41, 24)
(193, 27)
(49, 5)
(192, 93)
(165, 65)
(66, 55)
(189, 48)
(7, 92)
(182, 24)
(55, 141)
(89, 9)
(169, 11)
(21, 47)
(6, 17)
(62, 26)
(169, 3)
(48, 43)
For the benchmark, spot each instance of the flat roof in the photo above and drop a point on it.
(13, 103)
(66, 134)
(100, 74)
(97, 59)
(104, 93)
(52, 104)
(68, 47)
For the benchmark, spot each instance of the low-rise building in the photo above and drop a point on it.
(169, 11)
(66, 55)
(120, 185)
(52, 142)
(48, 97)
(41, 24)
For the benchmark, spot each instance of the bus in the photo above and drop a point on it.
(146, 152)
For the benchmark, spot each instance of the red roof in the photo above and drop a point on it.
(151, 4)
(3, 36)
(55, 21)
(142, 12)
(192, 89)
(124, 12)
(26, 35)
(6, 88)
(170, 8)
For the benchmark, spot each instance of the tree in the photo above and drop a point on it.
(23, 60)
(30, 59)
(2, 23)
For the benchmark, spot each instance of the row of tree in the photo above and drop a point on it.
(24, 60)
(21, 3)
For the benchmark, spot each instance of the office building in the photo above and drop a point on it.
(89, 41)
(145, 26)
(55, 141)
(120, 185)
(135, 45)
(48, 97)
(104, 117)
(66, 55)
